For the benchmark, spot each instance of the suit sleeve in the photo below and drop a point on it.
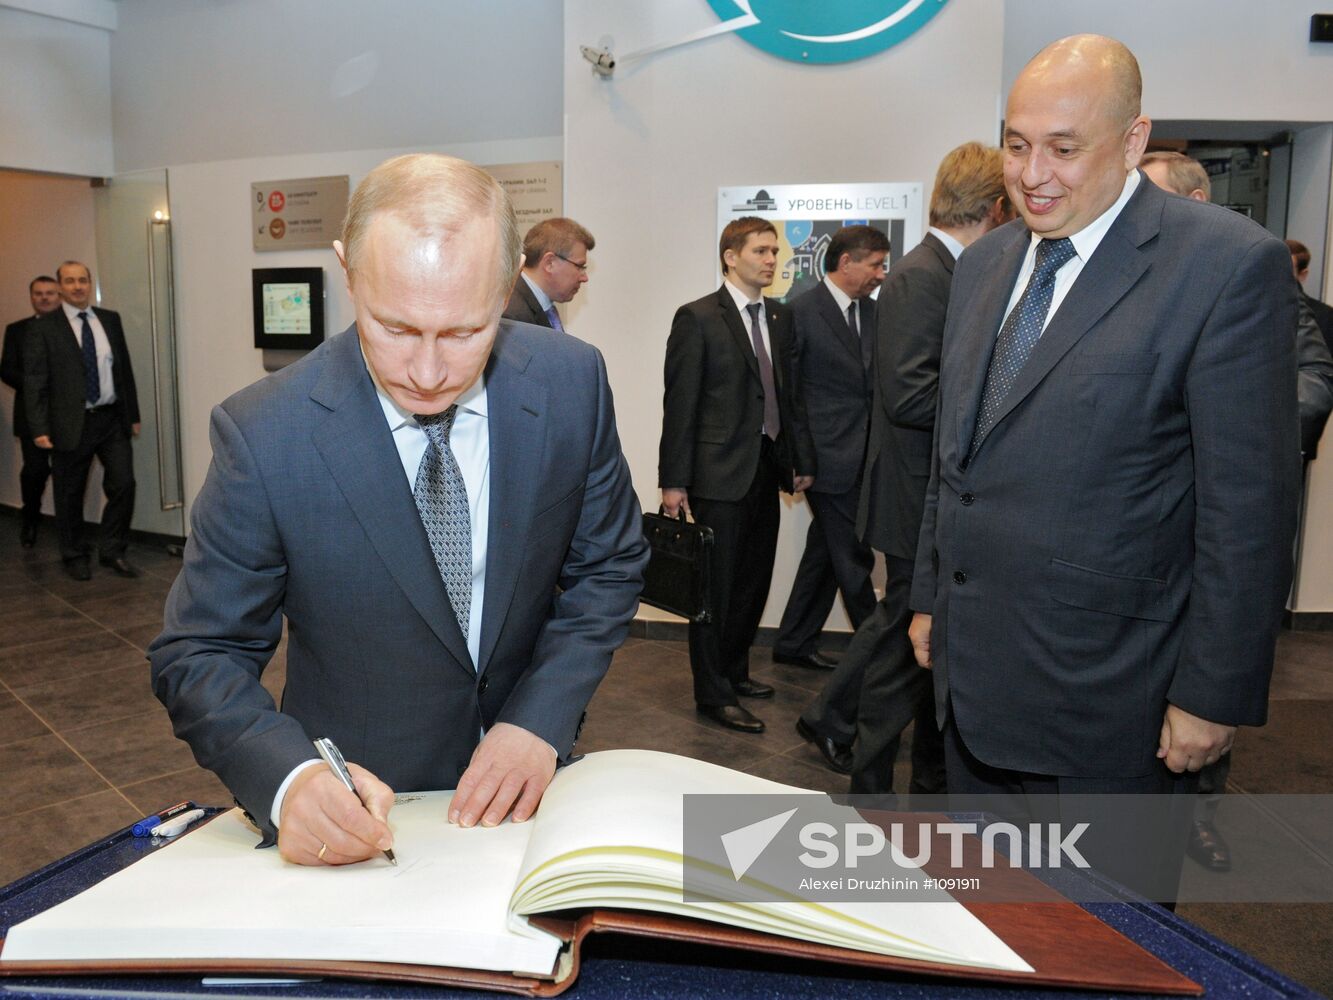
(1314, 379)
(796, 425)
(223, 620)
(1241, 401)
(684, 374)
(911, 316)
(11, 360)
(126, 386)
(37, 384)
(599, 582)
(926, 570)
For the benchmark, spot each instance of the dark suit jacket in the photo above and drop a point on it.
(523, 306)
(831, 385)
(1122, 537)
(1314, 375)
(713, 409)
(911, 311)
(53, 378)
(306, 514)
(1323, 315)
(11, 370)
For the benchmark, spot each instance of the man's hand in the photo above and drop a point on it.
(674, 499)
(919, 633)
(510, 767)
(318, 812)
(43, 442)
(134, 430)
(799, 484)
(1189, 743)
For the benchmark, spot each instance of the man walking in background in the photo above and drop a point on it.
(555, 252)
(44, 292)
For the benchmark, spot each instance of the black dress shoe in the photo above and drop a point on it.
(731, 716)
(28, 535)
(752, 689)
(1208, 847)
(811, 661)
(838, 756)
(78, 569)
(119, 566)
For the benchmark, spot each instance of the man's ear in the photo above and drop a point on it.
(341, 251)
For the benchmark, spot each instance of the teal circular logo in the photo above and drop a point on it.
(825, 31)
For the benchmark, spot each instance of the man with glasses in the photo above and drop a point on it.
(556, 255)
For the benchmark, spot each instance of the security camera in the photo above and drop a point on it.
(603, 62)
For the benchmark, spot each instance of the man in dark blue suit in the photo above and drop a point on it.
(44, 291)
(1106, 545)
(437, 503)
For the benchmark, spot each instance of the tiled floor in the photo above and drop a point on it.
(85, 748)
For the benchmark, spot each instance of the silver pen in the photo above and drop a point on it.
(334, 758)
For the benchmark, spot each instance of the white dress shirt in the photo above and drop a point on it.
(543, 299)
(950, 244)
(843, 300)
(105, 361)
(470, 441)
(1085, 242)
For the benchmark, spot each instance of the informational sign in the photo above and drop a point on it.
(305, 213)
(536, 190)
(807, 215)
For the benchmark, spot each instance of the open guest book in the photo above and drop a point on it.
(508, 907)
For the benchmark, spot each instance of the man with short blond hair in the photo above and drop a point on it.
(1177, 173)
(1106, 544)
(436, 502)
(555, 253)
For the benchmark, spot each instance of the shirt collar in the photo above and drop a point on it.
(73, 314)
(950, 244)
(839, 296)
(739, 298)
(472, 400)
(1087, 239)
(543, 299)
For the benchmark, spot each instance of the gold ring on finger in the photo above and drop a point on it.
(322, 848)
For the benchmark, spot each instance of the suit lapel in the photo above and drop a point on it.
(517, 413)
(836, 321)
(732, 318)
(993, 296)
(357, 446)
(936, 246)
(1116, 266)
(539, 316)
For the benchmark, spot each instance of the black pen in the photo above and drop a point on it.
(334, 759)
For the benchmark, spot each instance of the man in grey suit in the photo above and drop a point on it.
(437, 503)
(1106, 543)
(555, 255)
(967, 202)
(44, 292)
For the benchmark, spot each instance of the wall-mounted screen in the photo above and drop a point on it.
(288, 307)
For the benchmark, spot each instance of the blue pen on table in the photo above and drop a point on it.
(177, 824)
(334, 758)
(145, 826)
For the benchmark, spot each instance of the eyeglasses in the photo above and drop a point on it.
(582, 267)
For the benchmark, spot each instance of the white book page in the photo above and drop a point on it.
(212, 895)
(619, 799)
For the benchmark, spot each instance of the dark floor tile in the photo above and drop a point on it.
(651, 672)
(194, 783)
(75, 702)
(42, 770)
(653, 729)
(132, 749)
(139, 608)
(105, 586)
(66, 827)
(800, 774)
(778, 713)
(57, 659)
(17, 722)
(140, 636)
(1295, 938)
(62, 621)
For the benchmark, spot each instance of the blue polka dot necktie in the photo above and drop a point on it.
(441, 498)
(92, 382)
(1020, 333)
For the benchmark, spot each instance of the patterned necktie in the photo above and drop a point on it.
(554, 317)
(1020, 333)
(772, 421)
(441, 498)
(92, 384)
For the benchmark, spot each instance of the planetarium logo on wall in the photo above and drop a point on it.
(826, 31)
(759, 202)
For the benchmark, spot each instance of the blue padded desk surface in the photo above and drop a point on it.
(622, 967)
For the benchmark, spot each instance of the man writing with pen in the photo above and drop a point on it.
(436, 502)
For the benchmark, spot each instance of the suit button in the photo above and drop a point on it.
(967, 499)
(959, 577)
(482, 685)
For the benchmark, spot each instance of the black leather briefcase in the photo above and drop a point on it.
(680, 572)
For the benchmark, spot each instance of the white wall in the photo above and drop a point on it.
(55, 82)
(199, 80)
(647, 151)
(210, 219)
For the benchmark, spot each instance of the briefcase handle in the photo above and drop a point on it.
(680, 515)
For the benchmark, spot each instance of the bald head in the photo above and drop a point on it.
(1073, 133)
